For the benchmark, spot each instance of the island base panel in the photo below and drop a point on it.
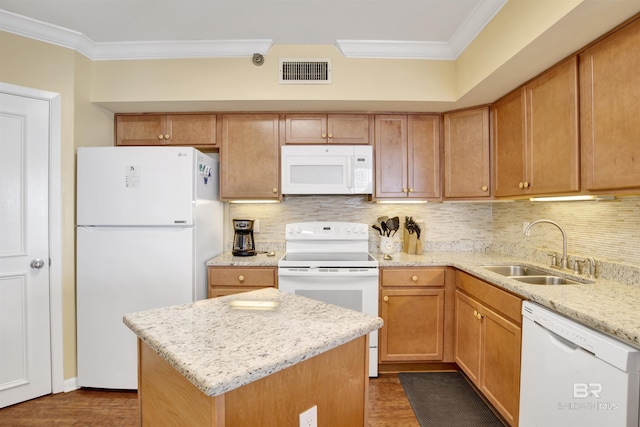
(335, 381)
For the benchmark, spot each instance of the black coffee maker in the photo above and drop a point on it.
(243, 244)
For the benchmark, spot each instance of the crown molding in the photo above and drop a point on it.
(179, 49)
(49, 33)
(53, 34)
(389, 49)
(450, 50)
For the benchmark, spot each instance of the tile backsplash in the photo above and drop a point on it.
(445, 227)
(608, 231)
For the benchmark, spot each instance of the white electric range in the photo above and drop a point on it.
(330, 261)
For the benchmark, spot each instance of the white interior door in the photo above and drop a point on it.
(25, 348)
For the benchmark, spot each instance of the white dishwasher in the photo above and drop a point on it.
(575, 376)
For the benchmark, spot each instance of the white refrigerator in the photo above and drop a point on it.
(148, 219)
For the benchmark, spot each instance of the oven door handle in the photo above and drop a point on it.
(327, 271)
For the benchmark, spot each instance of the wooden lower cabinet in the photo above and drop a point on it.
(233, 280)
(488, 340)
(413, 305)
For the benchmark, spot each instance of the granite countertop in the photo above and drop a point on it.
(224, 343)
(260, 260)
(603, 305)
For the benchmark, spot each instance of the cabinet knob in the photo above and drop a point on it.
(241, 278)
(484, 188)
(167, 136)
(404, 190)
(274, 190)
(526, 184)
(330, 135)
(385, 298)
(414, 278)
(411, 190)
(324, 135)
(160, 136)
(520, 185)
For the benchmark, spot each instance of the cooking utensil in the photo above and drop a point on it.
(385, 229)
(396, 224)
(375, 227)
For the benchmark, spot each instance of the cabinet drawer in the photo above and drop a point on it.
(412, 276)
(245, 276)
(504, 302)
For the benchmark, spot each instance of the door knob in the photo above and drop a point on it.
(37, 263)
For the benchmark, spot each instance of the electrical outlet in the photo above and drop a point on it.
(525, 225)
(309, 418)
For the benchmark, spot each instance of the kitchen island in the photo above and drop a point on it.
(256, 358)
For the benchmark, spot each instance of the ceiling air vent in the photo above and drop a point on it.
(305, 71)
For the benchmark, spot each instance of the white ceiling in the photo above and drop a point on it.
(111, 29)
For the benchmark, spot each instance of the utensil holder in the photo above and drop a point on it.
(411, 244)
(386, 245)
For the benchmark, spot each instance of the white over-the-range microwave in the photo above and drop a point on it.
(327, 169)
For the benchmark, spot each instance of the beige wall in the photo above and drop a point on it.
(38, 65)
(235, 83)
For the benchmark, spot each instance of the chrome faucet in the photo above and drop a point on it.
(563, 260)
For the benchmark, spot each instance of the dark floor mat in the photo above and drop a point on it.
(445, 399)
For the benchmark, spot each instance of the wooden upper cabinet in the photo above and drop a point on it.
(553, 136)
(508, 144)
(466, 154)
(327, 129)
(423, 151)
(610, 111)
(407, 151)
(191, 129)
(197, 130)
(536, 136)
(250, 157)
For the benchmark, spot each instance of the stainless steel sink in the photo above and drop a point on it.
(514, 270)
(525, 274)
(545, 280)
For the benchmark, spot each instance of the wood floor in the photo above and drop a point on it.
(388, 407)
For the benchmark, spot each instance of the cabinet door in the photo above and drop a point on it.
(466, 154)
(249, 157)
(413, 325)
(305, 129)
(147, 129)
(610, 108)
(552, 131)
(391, 156)
(468, 333)
(500, 378)
(348, 129)
(197, 130)
(508, 144)
(423, 150)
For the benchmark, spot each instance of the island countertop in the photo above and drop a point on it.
(221, 344)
